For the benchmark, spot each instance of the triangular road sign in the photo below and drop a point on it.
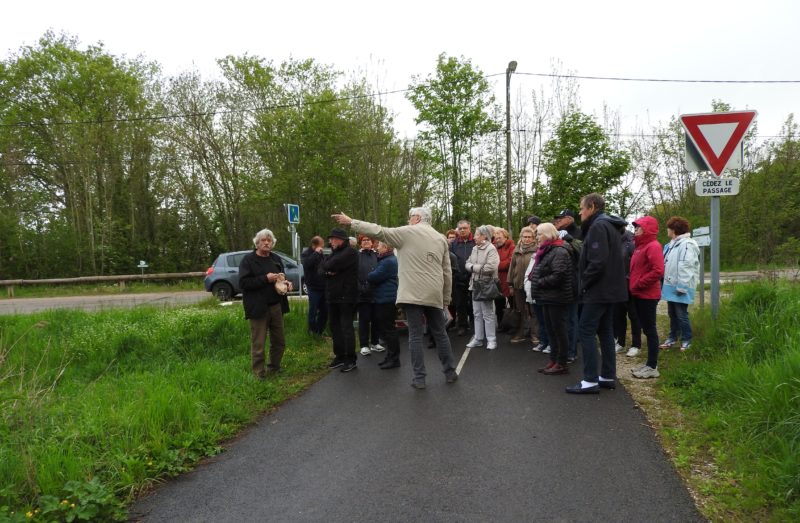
(717, 135)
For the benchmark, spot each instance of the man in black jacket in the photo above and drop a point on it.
(462, 297)
(341, 290)
(601, 284)
(565, 221)
(263, 306)
(312, 259)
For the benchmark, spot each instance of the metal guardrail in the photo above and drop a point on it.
(121, 278)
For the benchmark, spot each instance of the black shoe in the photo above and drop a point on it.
(347, 367)
(452, 377)
(608, 384)
(578, 389)
(384, 362)
(335, 364)
(390, 365)
(419, 385)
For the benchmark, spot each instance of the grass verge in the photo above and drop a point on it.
(97, 407)
(95, 289)
(728, 410)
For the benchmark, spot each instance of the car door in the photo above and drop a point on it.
(232, 262)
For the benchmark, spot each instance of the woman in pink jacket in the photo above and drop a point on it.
(647, 269)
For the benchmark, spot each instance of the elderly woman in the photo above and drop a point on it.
(551, 287)
(264, 306)
(482, 266)
(383, 279)
(505, 250)
(644, 286)
(516, 281)
(681, 274)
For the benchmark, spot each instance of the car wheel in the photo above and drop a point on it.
(305, 287)
(223, 291)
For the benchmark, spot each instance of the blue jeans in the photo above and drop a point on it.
(317, 311)
(435, 319)
(679, 321)
(597, 319)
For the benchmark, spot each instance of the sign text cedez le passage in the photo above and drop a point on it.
(722, 186)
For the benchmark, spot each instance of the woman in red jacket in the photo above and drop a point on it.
(505, 249)
(647, 269)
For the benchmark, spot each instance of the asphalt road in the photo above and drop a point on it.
(93, 303)
(504, 443)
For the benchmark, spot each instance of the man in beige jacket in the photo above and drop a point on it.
(425, 284)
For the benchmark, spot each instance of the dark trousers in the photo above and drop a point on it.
(317, 311)
(597, 319)
(385, 314)
(418, 316)
(572, 330)
(544, 336)
(555, 318)
(344, 336)
(646, 310)
(623, 311)
(500, 305)
(367, 324)
(463, 299)
(272, 321)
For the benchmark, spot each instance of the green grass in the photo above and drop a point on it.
(96, 407)
(46, 291)
(738, 390)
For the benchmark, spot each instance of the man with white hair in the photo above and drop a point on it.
(264, 306)
(424, 287)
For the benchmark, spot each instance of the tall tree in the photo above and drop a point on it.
(453, 104)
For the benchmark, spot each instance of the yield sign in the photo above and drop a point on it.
(717, 135)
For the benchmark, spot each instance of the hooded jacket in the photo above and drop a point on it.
(681, 269)
(601, 269)
(647, 262)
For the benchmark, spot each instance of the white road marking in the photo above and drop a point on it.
(463, 359)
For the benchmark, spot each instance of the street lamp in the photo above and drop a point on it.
(512, 66)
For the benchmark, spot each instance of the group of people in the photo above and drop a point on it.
(561, 285)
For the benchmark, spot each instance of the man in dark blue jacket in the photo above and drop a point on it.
(601, 284)
(341, 291)
(462, 297)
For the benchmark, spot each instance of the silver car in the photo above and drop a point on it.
(222, 278)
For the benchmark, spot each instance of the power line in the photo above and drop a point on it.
(662, 80)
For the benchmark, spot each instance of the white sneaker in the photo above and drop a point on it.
(537, 348)
(377, 348)
(365, 351)
(646, 372)
(618, 348)
(637, 369)
(474, 343)
(633, 351)
(546, 350)
(492, 345)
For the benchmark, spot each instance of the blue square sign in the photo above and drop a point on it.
(294, 212)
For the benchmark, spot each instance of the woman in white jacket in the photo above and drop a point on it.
(482, 265)
(681, 274)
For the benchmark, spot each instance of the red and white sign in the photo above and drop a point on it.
(717, 135)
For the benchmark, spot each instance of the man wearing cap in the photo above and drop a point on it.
(341, 291)
(565, 221)
(424, 287)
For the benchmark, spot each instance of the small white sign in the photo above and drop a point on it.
(717, 187)
(703, 241)
(701, 231)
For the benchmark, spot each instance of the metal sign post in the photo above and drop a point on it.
(715, 256)
(293, 213)
(701, 236)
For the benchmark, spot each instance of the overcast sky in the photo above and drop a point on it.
(393, 41)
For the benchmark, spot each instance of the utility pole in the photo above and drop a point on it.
(512, 66)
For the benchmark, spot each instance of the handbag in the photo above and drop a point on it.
(485, 290)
